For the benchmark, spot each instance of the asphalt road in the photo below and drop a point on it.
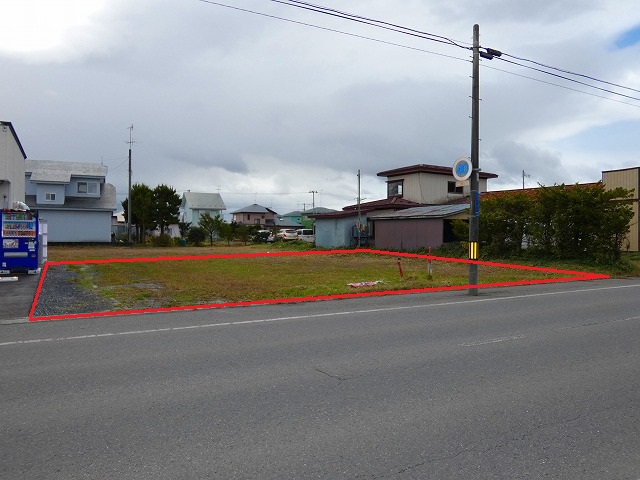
(16, 296)
(527, 382)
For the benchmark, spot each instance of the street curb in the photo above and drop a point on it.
(14, 320)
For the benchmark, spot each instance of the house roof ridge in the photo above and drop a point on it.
(427, 168)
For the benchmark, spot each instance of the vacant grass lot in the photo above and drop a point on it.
(173, 283)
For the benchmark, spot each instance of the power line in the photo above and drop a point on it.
(570, 72)
(333, 30)
(560, 86)
(369, 21)
(442, 39)
(490, 53)
(573, 79)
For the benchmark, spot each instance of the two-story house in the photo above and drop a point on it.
(409, 187)
(428, 184)
(72, 197)
(195, 204)
(255, 215)
(12, 158)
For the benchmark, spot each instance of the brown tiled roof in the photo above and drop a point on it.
(395, 203)
(530, 191)
(385, 203)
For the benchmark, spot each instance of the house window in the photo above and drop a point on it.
(50, 197)
(88, 187)
(451, 188)
(248, 216)
(394, 189)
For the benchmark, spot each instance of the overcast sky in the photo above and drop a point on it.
(264, 111)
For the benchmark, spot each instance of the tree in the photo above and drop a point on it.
(166, 204)
(142, 211)
(210, 225)
(196, 236)
(576, 221)
(184, 228)
(227, 231)
(504, 222)
(245, 232)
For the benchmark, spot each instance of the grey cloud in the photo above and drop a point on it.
(509, 159)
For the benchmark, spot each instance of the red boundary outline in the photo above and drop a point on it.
(574, 276)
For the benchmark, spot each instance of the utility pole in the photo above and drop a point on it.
(313, 199)
(474, 211)
(474, 214)
(129, 203)
(359, 212)
(313, 209)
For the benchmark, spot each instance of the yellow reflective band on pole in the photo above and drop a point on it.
(473, 250)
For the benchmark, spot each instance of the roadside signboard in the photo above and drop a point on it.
(462, 168)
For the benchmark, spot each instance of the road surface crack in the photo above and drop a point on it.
(332, 376)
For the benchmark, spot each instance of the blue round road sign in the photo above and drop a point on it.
(462, 169)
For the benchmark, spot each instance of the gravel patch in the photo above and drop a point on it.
(61, 294)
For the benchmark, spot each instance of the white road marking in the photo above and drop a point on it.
(319, 315)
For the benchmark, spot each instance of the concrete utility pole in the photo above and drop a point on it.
(359, 212)
(313, 199)
(474, 214)
(129, 202)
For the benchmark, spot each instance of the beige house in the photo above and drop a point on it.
(628, 178)
(428, 184)
(255, 215)
(12, 158)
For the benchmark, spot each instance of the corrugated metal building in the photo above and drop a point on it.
(415, 228)
(628, 178)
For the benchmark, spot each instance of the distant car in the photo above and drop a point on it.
(287, 234)
(306, 235)
(263, 236)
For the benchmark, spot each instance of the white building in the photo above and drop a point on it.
(195, 204)
(12, 158)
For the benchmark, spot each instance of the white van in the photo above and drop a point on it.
(306, 235)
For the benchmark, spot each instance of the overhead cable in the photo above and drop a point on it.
(435, 38)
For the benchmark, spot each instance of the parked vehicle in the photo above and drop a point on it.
(306, 235)
(263, 236)
(287, 234)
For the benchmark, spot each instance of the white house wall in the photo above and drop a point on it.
(11, 169)
(77, 226)
(429, 188)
